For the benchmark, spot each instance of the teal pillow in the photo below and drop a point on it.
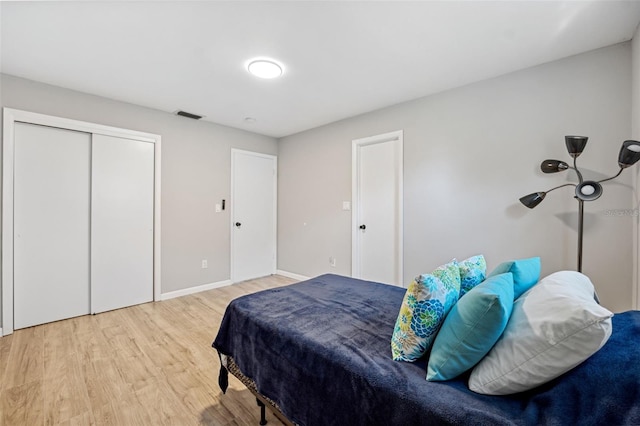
(472, 327)
(472, 272)
(526, 273)
(428, 300)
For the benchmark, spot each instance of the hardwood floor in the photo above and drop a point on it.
(150, 364)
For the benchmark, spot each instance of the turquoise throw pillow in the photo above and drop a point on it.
(428, 300)
(472, 272)
(526, 273)
(472, 327)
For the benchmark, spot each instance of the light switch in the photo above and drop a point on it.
(346, 205)
(218, 208)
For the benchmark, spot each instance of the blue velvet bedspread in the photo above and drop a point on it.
(320, 349)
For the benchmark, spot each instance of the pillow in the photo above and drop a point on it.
(526, 273)
(428, 299)
(554, 327)
(472, 327)
(472, 272)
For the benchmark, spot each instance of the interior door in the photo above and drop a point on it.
(378, 211)
(253, 202)
(51, 224)
(121, 223)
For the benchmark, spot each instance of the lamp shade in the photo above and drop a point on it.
(629, 153)
(553, 166)
(588, 190)
(533, 200)
(575, 144)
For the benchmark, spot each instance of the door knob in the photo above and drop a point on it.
(363, 227)
(238, 224)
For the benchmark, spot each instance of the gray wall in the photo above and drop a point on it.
(635, 131)
(469, 154)
(635, 122)
(196, 161)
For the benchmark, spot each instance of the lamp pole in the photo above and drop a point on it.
(580, 230)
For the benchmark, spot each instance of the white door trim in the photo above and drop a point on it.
(232, 204)
(355, 191)
(11, 116)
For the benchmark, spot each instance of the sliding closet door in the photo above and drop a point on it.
(121, 223)
(51, 224)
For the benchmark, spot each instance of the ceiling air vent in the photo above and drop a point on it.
(188, 115)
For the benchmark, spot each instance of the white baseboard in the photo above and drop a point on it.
(292, 275)
(192, 290)
(205, 287)
(1, 332)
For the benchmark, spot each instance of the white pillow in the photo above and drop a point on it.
(555, 326)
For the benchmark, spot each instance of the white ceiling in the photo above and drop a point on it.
(341, 58)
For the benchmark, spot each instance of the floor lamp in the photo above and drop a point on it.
(585, 190)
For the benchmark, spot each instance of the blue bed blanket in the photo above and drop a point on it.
(321, 350)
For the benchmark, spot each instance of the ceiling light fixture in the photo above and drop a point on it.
(265, 68)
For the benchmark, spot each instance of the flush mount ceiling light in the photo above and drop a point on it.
(265, 68)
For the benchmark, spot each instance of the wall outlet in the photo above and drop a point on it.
(204, 264)
(332, 261)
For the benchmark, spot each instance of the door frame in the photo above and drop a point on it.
(232, 272)
(357, 144)
(11, 116)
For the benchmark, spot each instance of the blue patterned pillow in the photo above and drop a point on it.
(472, 272)
(428, 300)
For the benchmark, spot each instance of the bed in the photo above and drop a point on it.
(318, 353)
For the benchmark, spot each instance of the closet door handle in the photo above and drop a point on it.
(363, 227)
(238, 224)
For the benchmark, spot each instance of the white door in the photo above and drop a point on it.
(377, 236)
(51, 225)
(253, 203)
(73, 231)
(121, 223)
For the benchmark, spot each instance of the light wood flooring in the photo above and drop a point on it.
(150, 364)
